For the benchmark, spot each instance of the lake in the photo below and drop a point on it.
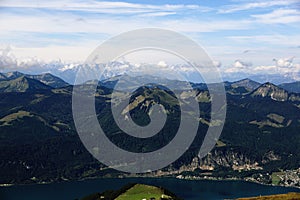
(187, 189)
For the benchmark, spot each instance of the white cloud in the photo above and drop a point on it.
(217, 64)
(237, 67)
(162, 64)
(10, 62)
(157, 14)
(283, 16)
(241, 64)
(265, 69)
(7, 59)
(284, 62)
(283, 66)
(66, 23)
(257, 4)
(107, 17)
(102, 6)
(51, 30)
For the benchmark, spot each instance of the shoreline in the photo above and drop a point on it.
(237, 179)
(154, 177)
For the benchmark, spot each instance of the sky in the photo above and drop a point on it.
(246, 36)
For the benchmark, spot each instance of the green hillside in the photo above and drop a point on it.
(134, 192)
(39, 142)
(140, 191)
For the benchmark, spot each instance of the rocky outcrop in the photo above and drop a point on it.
(269, 90)
(235, 160)
(223, 158)
(270, 156)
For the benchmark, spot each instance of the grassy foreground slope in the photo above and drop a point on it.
(288, 196)
(134, 192)
(140, 191)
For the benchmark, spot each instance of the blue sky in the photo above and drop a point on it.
(241, 35)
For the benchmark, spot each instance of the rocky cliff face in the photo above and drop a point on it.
(223, 158)
(228, 158)
(269, 90)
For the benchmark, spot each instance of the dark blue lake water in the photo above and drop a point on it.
(189, 190)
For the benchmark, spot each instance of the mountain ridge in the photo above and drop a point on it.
(45, 78)
(260, 135)
(22, 84)
(277, 93)
(291, 87)
(248, 84)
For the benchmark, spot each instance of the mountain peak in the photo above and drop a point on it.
(243, 86)
(49, 79)
(46, 78)
(246, 79)
(269, 90)
(246, 83)
(2, 77)
(13, 74)
(269, 84)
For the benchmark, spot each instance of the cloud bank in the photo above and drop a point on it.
(284, 67)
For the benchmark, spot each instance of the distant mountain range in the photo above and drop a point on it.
(19, 82)
(56, 82)
(291, 87)
(38, 140)
(46, 79)
(248, 84)
(68, 71)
